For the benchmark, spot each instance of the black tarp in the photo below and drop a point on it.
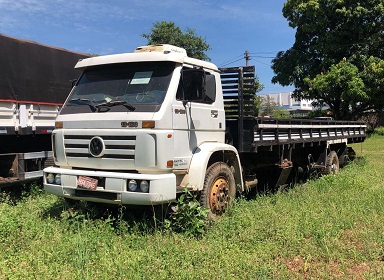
(35, 73)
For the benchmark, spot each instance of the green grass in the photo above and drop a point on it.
(330, 228)
(379, 130)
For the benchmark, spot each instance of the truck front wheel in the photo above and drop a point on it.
(332, 164)
(219, 188)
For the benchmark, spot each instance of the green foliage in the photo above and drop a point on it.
(258, 103)
(342, 86)
(18, 192)
(317, 113)
(337, 55)
(281, 114)
(258, 85)
(258, 100)
(166, 32)
(187, 216)
(379, 130)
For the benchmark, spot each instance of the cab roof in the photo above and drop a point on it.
(163, 52)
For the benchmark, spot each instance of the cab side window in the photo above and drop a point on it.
(196, 85)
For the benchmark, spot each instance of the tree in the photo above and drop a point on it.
(166, 32)
(341, 88)
(258, 85)
(258, 100)
(337, 57)
(269, 107)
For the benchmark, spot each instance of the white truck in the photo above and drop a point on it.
(138, 128)
(34, 83)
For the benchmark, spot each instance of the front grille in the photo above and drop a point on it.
(116, 147)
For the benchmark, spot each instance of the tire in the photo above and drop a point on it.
(219, 189)
(332, 164)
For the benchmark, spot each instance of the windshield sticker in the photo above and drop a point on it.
(141, 78)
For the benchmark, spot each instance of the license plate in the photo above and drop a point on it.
(87, 182)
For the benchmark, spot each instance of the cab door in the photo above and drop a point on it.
(197, 116)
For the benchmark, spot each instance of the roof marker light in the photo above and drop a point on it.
(164, 48)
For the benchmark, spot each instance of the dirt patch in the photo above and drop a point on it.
(351, 241)
(321, 269)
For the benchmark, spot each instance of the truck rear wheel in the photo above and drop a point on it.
(332, 164)
(219, 188)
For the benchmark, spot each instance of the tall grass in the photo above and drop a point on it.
(328, 228)
(379, 130)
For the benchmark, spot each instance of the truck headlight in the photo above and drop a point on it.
(132, 185)
(58, 179)
(144, 186)
(50, 178)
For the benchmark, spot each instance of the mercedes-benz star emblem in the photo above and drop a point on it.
(96, 147)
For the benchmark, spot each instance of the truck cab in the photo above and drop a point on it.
(138, 128)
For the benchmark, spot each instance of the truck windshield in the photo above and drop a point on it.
(138, 86)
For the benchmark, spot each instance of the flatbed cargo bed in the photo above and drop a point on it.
(248, 133)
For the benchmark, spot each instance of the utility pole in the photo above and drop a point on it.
(247, 58)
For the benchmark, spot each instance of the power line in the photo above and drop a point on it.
(259, 56)
(232, 62)
(261, 62)
(247, 56)
(263, 52)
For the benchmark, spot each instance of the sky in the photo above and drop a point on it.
(116, 26)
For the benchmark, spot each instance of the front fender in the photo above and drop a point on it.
(200, 160)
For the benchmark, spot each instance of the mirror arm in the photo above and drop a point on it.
(73, 82)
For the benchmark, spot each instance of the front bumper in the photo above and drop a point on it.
(162, 187)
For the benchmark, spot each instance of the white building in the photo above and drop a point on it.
(285, 101)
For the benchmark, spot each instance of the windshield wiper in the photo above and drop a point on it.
(107, 105)
(85, 101)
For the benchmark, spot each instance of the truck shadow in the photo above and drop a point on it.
(267, 183)
(144, 219)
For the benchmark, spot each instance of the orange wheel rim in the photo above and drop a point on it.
(219, 196)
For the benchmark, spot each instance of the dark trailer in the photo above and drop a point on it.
(35, 80)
